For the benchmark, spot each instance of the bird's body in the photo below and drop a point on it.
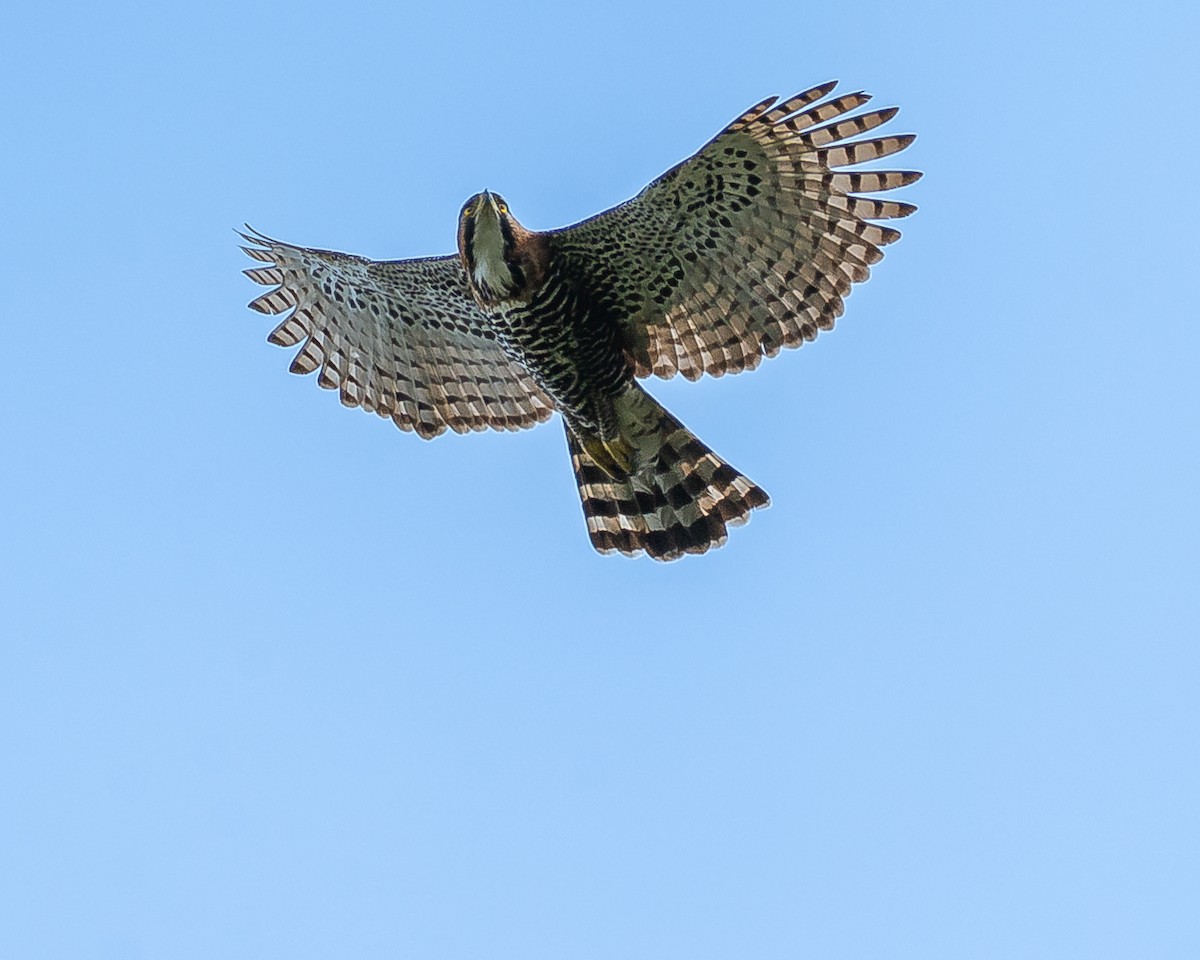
(547, 320)
(565, 333)
(747, 247)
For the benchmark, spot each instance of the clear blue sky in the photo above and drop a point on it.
(277, 680)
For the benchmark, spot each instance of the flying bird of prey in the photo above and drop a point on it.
(747, 247)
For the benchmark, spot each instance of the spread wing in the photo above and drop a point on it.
(403, 338)
(750, 245)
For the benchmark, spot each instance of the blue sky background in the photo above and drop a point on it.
(277, 680)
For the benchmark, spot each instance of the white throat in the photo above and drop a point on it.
(491, 272)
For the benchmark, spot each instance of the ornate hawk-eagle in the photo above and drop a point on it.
(745, 248)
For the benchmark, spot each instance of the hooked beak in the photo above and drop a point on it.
(488, 205)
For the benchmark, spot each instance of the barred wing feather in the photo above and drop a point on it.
(750, 245)
(402, 338)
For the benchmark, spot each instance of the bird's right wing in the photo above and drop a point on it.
(403, 338)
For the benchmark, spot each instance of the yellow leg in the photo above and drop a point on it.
(615, 457)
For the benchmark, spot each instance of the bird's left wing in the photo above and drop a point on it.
(402, 338)
(750, 245)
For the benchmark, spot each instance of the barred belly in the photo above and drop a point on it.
(571, 347)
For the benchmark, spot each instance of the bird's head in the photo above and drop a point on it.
(498, 254)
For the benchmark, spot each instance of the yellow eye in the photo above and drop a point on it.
(502, 206)
(467, 211)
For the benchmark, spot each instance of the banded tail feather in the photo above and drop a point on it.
(680, 496)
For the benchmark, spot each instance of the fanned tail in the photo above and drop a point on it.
(680, 497)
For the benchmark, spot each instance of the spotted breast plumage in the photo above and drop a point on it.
(746, 247)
